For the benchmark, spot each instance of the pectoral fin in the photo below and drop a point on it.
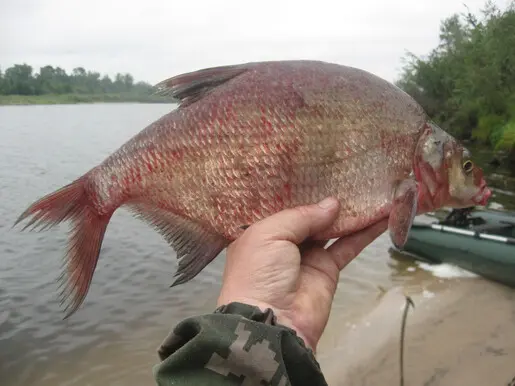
(403, 212)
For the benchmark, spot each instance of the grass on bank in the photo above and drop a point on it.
(52, 99)
(504, 140)
(500, 135)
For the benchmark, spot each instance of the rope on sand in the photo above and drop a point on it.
(409, 302)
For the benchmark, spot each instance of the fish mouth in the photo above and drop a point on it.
(482, 197)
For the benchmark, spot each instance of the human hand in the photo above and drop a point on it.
(265, 267)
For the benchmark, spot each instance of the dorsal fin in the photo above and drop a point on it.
(192, 86)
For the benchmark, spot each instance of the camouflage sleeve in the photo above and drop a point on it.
(236, 345)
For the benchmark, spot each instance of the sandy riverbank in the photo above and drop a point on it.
(462, 334)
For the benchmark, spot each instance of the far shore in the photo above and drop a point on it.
(57, 99)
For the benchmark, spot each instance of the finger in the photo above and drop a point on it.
(296, 224)
(345, 249)
(318, 283)
(324, 270)
(309, 244)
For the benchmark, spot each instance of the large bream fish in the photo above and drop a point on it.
(252, 139)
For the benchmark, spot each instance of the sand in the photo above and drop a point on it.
(462, 334)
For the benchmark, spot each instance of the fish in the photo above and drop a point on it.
(248, 140)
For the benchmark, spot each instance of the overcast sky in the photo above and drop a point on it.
(155, 39)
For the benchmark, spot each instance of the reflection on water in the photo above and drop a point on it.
(130, 308)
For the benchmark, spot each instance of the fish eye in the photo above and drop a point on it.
(468, 166)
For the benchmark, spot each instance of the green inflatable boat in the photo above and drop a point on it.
(480, 241)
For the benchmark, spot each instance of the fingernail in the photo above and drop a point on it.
(327, 203)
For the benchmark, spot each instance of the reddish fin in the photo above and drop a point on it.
(192, 86)
(195, 246)
(403, 212)
(72, 203)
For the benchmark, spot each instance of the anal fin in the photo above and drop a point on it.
(403, 212)
(195, 246)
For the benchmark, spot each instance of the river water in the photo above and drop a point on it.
(130, 308)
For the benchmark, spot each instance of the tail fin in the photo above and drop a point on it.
(72, 202)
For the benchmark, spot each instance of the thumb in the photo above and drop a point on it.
(297, 224)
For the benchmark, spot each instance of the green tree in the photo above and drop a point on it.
(19, 80)
(1, 82)
(467, 83)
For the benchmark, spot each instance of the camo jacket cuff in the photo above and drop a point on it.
(238, 344)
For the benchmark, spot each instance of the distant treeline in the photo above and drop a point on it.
(21, 79)
(467, 83)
